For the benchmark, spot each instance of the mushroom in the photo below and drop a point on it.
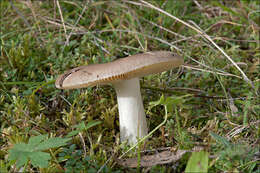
(124, 75)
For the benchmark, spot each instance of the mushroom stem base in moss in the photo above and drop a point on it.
(131, 110)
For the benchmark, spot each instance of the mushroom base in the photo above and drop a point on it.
(131, 110)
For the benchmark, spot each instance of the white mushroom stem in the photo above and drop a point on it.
(131, 110)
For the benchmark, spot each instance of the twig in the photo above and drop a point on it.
(220, 73)
(96, 40)
(61, 16)
(65, 100)
(198, 4)
(69, 26)
(165, 29)
(80, 16)
(83, 143)
(172, 89)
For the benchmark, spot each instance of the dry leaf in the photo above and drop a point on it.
(163, 157)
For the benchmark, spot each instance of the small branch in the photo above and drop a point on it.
(83, 143)
(172, 90)
(220, 73)
(80, 16)
(61, 16)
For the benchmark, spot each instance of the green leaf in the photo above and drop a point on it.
(81, 127)
(52, 143)
(22, 152)
(92, 124)
(19, 153)
(40, 159)
(35, 140)
(170, 102)
(72, 133)
(159, 102)
(220, 139)
(198, 162)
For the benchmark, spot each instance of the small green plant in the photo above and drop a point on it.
(73, 159)
(74, 162)
(22, 153)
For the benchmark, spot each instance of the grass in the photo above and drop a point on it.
(212, 101)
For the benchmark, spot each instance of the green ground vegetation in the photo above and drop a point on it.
(212, 102)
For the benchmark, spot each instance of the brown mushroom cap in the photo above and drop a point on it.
(137, 65)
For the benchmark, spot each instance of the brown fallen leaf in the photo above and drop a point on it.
(155, 159)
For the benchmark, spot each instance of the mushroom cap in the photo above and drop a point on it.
(138, 65)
